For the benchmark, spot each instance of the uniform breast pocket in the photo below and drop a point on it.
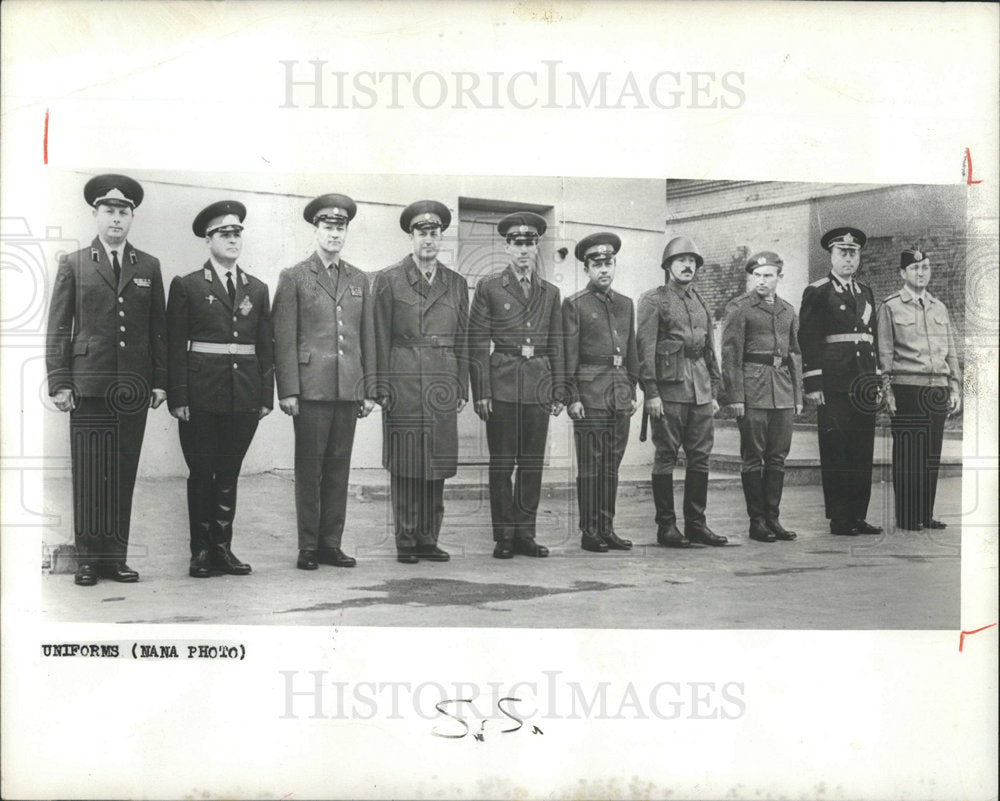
(670, 362)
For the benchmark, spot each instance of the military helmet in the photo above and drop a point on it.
(678, 246)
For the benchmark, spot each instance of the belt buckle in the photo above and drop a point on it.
(616, 361)
(778, 360)
(527, 351)
(232, 347)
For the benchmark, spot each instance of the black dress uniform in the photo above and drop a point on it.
(677, 363)
(422, 374)
(922, 377)
(759, 339)
(222, 369)
(837, 333)
(324, 332)
(602, 367)
(522, 378)
(106, 343)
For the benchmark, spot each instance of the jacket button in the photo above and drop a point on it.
(121, 313)
(234, 318)
(121, 300)
(340, 308)
(121, 344)
(340, 352)
(236, 333)
(340, 322)
(341, 337)
(528, 340)
(529, 325)
(121, 328)
(236, 366)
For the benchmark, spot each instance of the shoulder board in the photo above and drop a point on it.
(824, 280)
(891, 297)
(740, 298)
(577, 295)
(492, 276)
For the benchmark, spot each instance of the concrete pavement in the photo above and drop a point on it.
(898, 580)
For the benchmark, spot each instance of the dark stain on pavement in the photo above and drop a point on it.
(174, 619)
(784, 571)
(452, 592)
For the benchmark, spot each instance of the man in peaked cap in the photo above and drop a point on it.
(840, 374)
(680, 377)
(518, 386)
(922, 384)
(221, 381)
(602, 366)
(107, 365)
(324, 358)
(762, 384)
(421, 321)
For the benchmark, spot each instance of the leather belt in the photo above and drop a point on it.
(424, 342)
(694, 352)
(768, 358)
(848, 338)
(222, 348)
(515, 350)
(604, 361)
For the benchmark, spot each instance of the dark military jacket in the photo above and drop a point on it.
(324, 333)
(105, 338)
(754, 326)
(502, 314)
(673, 324)
(838, 335)
(199, 310)
(422, 367)
(599, 330)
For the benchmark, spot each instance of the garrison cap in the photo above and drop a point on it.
(522, 224)
(911, 256)
(843, 237)
(765, 258)
(425, 214)
(330, 208)
(603, 245)
(114, 190)
(227, 214)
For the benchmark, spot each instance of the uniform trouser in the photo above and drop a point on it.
(600, 439)
(516, 435)
(214, 446)
(917, 432)
(687, 425)
(846, 425)
(324, 439)
(765, 438)
(418, 509)
(105, 440)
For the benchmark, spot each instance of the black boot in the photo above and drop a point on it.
(200, 529)
(774, 481)
(755, 507)
(667, 533)
(223, 558)
(695, 499)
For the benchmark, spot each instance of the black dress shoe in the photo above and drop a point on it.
(843, 528)
(307, 561)
(504, 549)
(779, 531)
(201, 565)
(671, 537)
(760, 531)
(936, 524)
(121, 572)
(593, 543)
(616, 543)
(864, 527)
(85, 576)
(225, 561)
(335, 557)
(528, 547)
(432, 553)
(704, 535)
(407, 555)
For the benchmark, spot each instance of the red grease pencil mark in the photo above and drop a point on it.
(45, 140)
(961, 637)
(968, 171)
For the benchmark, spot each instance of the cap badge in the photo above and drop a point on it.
(848, 238)
(762, 260)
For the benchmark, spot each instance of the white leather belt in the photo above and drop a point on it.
(848, 338)
(222, 347)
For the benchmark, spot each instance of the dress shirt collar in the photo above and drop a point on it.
(119, 248)
(908, 296)
(221, 271)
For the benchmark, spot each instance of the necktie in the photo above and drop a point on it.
(427, 275)
(117, 266)
(230, 288)
(921, 302)
(526, 285)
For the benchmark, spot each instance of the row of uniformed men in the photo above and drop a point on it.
(411, 343)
